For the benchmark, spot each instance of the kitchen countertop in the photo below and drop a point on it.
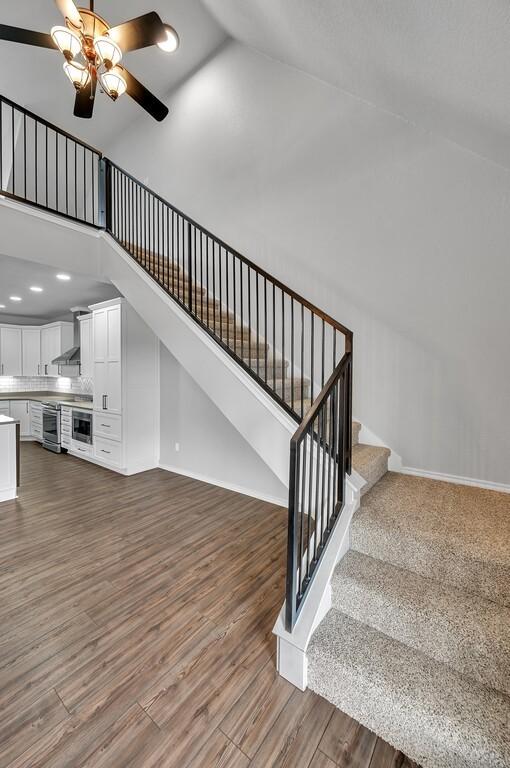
(7, 420)
(64, 398)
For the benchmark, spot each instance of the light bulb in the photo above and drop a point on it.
(66, 41)
(113, 83)
(77, 74)
(108, 51)
(171, 42)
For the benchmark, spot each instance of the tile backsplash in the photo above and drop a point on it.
(78, 385)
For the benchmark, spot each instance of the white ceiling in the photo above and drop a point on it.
(57, 298)
(33, 76)
(443, 64)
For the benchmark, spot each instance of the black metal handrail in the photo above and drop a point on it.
(296, 352)
(47, 167)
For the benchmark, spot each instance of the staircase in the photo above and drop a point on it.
(417, 643)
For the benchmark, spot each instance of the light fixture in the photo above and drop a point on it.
(15, 298)
(171, 43)
(66, 41)
(108, 51)
(78, 74)
(113, 83)
(62, 276)
(36, 289)
(2, 306)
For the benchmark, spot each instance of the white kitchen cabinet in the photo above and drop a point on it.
(5, 409)
(36, 420)
(20, 410)
(55, 339)
(50, 349)
(10, 351)
(106, 325)
(31, 350)
(126, 389)
(86, 347)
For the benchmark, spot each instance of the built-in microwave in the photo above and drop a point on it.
(82, 426)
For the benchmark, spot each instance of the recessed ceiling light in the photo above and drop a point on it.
(36, 289)
(62, 276)
(15, 298)
(2, 306)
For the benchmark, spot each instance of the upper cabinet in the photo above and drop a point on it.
(86, 347)
(55, 339)
(28, 351)
(31, 351)
(11, 363)
(106, 325)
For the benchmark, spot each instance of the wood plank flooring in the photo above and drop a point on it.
(136, 618)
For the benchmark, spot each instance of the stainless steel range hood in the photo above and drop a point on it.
(69, 361)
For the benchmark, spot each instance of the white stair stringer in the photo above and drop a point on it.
(265, 426)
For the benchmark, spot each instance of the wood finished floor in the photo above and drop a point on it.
(136, 618)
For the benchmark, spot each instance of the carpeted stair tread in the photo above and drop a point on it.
(451, 533)
(425, 709)
(356, 426)
(371, 462)
(466, 631)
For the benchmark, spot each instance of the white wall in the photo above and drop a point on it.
(396, 232)
(210, 447)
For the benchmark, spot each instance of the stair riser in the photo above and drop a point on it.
(469, 633)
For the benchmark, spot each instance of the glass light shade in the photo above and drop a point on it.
(113, 83)
(66, 41)
(108, 51)
(172, 40)
(77, 74)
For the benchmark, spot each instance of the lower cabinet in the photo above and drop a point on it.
(81, 449)
(108, 451)
(66, 426)
(36, 420)
(20, 410)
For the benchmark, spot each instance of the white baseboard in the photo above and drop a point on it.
(227, 486)
(456, 479)
(395, 465)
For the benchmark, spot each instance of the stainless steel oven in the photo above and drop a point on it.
(82, 426)
(51, 426)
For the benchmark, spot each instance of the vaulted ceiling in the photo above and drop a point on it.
(34, 77)
(442, 64)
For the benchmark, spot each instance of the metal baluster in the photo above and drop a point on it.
(317, 436)
(24, 155)
(302, 360)
(284, 398)
(292, 352)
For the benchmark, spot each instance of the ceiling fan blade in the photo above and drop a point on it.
(84, 101)
(26, 36)
(69, 11)
(144, 98)
(139, 33)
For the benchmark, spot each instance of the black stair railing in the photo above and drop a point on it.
(47, 167)
(297, 353)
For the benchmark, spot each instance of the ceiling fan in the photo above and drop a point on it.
(93, 51)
